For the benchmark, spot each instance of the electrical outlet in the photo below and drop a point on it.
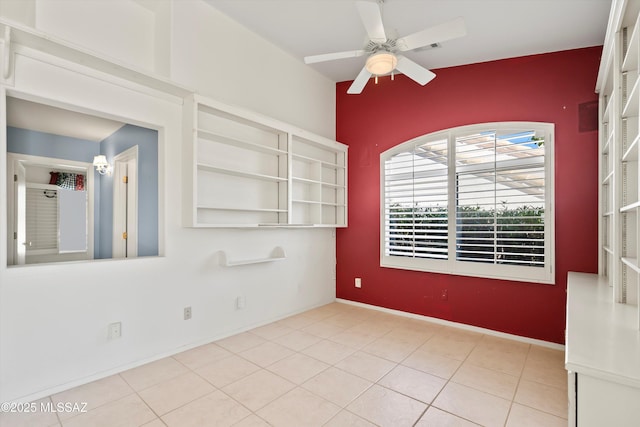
(358, 282)
(114, 331)
(187, 313)
(240, 302)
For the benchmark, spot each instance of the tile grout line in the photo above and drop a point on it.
(449, 380)
(520, 379)
(517, 386)
(340, 319)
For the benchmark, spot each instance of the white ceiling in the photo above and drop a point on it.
(496, 29)
(43, 118)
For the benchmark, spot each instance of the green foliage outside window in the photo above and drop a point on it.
(502, 236)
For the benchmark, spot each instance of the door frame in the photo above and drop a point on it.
(26, 160)
(125, 217)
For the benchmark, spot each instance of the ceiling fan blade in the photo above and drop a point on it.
(331, 56)
(440, 33)
(414, 71)
(360, 82)
(371, 17)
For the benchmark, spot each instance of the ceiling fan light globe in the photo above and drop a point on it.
(381, 63)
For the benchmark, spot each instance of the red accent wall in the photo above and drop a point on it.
(547, 88)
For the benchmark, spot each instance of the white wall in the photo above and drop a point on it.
(21, 11)
(235, 66)
(53, 318)
(120, 29)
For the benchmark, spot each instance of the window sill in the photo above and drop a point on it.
(479, 270)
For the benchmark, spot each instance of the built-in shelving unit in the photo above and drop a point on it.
(318, 178)
(603, 313)
(619, 90)
(246, 170)
(607, 177)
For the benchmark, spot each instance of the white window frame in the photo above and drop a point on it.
(545, 274)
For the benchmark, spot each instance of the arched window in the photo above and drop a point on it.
(474, 200)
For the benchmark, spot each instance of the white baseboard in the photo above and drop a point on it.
(103, 374)
(485, 331)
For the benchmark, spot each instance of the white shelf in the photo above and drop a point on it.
(239, 209)
(242, 169)
(307, 202)
(239, 173)
(277, 254)
(630, 207)
(321, 162)
(631, 155)
(632, 105)
(607, 144)
(330, 185)
(306, 180)
(314, 181)
(607, 179)
(607, 112)
(315, 202)
(630, 61)
(238, 143)
(631, 262)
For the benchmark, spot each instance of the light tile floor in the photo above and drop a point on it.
(337, 365)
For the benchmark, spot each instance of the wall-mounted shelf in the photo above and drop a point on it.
(246, 170)
(30, 38)
(277, 254)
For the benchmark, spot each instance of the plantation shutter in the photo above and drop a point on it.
(416, 201)
(41, 219)
(500, 198)
(475, 200)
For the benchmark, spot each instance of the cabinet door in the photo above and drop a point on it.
(605, 403)
(571, 390)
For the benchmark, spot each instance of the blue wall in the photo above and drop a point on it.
(147, 141)
(34, 143)
(23, 141)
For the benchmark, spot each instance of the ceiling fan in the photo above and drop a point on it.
(383, 51)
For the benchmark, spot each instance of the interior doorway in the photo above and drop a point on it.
(50, 218)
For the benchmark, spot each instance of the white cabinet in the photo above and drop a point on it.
(245, 170)
(602, 355)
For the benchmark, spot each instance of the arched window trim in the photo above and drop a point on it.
(445, 171)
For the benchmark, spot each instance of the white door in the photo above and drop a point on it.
(125, 205)
(20, 215)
